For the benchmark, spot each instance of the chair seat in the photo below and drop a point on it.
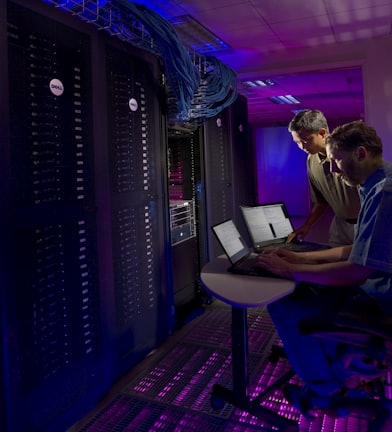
(354, 320)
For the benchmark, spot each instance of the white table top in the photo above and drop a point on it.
(240, 290)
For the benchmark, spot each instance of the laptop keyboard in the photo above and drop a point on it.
(294, 246)
(249, 267)
(304, 247)
(297, 247)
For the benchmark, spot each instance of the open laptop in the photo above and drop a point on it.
(269, 225)
(241, 258)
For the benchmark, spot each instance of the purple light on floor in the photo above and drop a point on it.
(165, 390)
(111, 417)
(187, 423)
(143, 386)
(150, 380)
(204, 396)
(209, 363)
(225, 365)
(182, 396)
(178, 376)
(139, 420)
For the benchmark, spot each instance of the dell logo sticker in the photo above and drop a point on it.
(133, 105)
(56, 87)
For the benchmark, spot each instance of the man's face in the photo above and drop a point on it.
(344, 164)
(310, 142)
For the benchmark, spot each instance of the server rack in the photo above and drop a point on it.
(84, 223)
(53, 313)
(212, 166)
(86, 280)
(229, 180)
(185, 179)
(139, 207)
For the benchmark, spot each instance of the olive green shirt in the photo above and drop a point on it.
(326, 187)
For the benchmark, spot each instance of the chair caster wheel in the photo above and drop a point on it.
(217, 403)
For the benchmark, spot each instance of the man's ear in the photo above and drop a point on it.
(361, 153)
(323, 132)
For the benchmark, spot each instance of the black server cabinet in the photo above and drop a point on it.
(84, 216)
(243, 177)
(53, 330)
(185, 183)
(218, 161)
(228, 169)
(139, 212)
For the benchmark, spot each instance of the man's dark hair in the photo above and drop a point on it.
(310, 120)
(349, 136)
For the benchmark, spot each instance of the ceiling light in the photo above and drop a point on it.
(260, 83)
(286, 99)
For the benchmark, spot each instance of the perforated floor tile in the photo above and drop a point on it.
(127, 414)
(171, 390)
(185, 376)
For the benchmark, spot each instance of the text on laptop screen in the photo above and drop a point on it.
(267, 222)
(229, 237)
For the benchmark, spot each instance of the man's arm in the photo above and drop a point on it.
(317, 210)
(342, 273)
(325, 267)
(339, 253)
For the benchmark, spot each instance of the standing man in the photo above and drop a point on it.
(309, 130)
(330, 280)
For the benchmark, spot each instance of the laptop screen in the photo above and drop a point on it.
(267, 223)
(231, 241)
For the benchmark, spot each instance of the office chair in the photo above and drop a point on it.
(369, 341)
(366, 339)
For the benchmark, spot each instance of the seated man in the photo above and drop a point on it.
(331, 279)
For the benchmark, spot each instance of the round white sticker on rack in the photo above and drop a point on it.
(133, 105)
(56, 87)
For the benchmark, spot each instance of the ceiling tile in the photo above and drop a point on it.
(232, 18)
(287, 10)
(305, 32)
(264, 38)
(362, 24)
(334, 6)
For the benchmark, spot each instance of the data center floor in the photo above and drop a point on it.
(171, 389)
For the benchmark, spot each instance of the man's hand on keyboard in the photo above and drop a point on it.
(276, 261)
(282, 252)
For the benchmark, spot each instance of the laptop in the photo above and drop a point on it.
(241, 257)
(269, 225)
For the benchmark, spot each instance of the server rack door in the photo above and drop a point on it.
(138, 182)
(53, 329)
(228, 175)
(244, 190)
(218, 174)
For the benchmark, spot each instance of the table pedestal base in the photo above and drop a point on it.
(239, 395)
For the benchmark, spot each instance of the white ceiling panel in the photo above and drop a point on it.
(244, 17)
(314, 31)
(286, 10)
